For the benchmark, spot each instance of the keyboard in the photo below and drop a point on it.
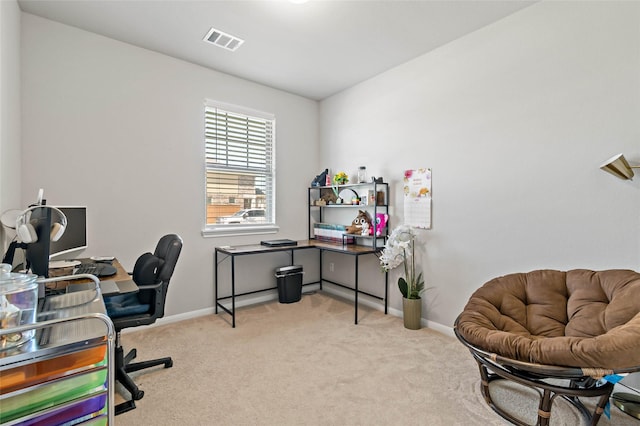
(97, 269)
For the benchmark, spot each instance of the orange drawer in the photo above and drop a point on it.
(43, 371)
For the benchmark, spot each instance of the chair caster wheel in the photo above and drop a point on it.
(137, 395)
(168, 364)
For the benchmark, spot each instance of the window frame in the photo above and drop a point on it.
(225, 229)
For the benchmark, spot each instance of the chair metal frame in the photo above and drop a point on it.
(582, 382)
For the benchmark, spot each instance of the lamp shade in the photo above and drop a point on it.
(618, 166)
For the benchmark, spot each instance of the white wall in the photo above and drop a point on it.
(120, 129)
(10, 106)
(514, 121)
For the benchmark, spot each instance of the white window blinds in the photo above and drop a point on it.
(240, 166)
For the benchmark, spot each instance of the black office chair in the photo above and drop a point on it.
(151, 274)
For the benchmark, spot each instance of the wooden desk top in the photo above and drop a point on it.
(352, 249)
(120, 275)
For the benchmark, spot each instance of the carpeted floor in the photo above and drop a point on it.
(306, 363)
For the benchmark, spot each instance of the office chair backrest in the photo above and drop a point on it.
(157, 268)
(168, 249)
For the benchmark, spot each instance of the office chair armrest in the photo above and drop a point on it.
(147, 287)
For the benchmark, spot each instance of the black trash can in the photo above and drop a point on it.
(289, 279)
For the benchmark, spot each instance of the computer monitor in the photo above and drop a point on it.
(75, 234)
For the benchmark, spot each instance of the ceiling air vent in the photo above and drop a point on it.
(222, 39)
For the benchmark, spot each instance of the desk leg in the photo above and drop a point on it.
(320, 263)
(356, 292)
(233, 291)
(386, 292)
(215, 277)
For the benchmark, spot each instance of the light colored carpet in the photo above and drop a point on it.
(306, 363)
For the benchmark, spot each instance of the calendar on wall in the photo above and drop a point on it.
(417, 198)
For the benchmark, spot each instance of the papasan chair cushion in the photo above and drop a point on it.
(579, 318)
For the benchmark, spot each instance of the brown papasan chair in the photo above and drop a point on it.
(558, 332)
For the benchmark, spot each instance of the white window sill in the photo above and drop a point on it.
(213, 231)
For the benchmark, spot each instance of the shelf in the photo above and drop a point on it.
(375, 193)
(371, 238)
(348, 185)
(342, 206)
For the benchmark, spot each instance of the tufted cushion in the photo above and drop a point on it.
(578, 318)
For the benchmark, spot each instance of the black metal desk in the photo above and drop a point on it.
(254, 249)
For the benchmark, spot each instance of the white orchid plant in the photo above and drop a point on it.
(400, 249)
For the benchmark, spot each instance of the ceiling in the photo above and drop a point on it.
(314, 49)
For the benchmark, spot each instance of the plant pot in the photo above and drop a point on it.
(412, 313)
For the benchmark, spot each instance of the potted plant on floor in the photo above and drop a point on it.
(400, 250)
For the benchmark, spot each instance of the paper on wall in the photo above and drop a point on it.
(417, 198)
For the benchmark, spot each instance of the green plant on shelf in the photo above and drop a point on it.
(341, 178)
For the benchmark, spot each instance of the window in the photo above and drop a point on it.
(240, 170)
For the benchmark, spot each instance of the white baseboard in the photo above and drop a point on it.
(346, 294)
(337, 291)
(444, 329)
